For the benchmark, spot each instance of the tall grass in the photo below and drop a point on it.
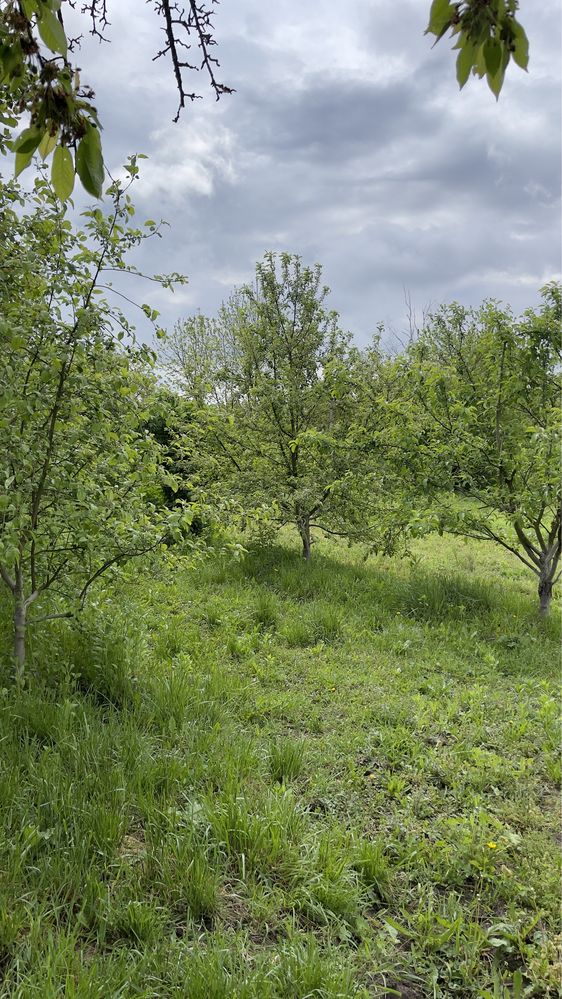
(272, 779)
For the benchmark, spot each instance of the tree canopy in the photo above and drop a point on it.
(78, 472)
(479, 417)
(274, 430)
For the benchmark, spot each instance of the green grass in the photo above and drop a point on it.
(266, 779)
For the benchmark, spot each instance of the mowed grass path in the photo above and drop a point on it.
(261, 778)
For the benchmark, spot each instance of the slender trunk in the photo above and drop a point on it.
(545, 593)
(547, 573)
(20, 611)
(304, 531)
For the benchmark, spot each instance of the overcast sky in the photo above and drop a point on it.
(347, 141)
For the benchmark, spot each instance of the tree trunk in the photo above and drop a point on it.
(547, 575)
(304, 531)
(20, 612)
(545, 594)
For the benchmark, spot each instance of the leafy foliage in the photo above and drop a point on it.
(38, 80)
(488, 35)
(269, 375)
(481, 410)
(76, 466)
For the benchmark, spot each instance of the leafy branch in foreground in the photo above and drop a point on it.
(488, 35)
(76, 467)
(39, 80)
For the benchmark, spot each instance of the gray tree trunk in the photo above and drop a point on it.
(545, 594)
(304, 531)
(20, 612)
(547, 575)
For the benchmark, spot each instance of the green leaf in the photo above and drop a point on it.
(479, 63)
(493, 50)
(47, 144)
(465, 62)
(520, 45)
(11, 62)
(52, 33)
(440, 16)
(22, 161)
(89, 162)
(29, 8)
(495, 83)
(25, 146)
(28, 141)
(399, 927)
(62, 173)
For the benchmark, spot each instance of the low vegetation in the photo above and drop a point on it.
(270, 778)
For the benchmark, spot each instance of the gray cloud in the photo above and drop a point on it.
(347, 141)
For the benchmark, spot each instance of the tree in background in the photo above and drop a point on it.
(480, 415)
(76, 467)
(392, 509)
(274, 413)
(201, 356)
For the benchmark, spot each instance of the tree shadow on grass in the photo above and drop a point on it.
(425, 595)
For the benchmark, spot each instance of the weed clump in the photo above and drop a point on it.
(286, 760)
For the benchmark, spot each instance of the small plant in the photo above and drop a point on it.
(327, 623)
(138, 921)
(170, 696)
(368, 859)
(286, 760)
(107, 827)
(320, 622)
(305, 971)
(242, 646)
(260, 835)
(297, 633)
(181, 868)
(266, 613)
(102, 655)
(214, 616)
(10, 927)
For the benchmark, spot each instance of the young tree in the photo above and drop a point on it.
(275, 414)
(75, 463)
(201, 355)
(481, 409)
(390, 513)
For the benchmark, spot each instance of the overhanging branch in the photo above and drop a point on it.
(181, 25)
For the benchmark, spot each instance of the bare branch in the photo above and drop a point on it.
(180, 25)
(49, 617)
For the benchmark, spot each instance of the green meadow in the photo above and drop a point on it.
(256, 777)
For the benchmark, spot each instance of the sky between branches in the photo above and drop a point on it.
(347, 141)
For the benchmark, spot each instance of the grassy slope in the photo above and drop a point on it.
(272, 779)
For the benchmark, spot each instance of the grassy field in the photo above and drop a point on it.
(261, 778)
